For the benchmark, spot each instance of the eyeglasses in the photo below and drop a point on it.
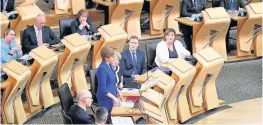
(88, 98)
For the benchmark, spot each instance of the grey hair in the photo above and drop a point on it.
(83, 93)
(101, 114)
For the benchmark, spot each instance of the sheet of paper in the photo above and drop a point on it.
(130, 90)
(117, 120)
(128, 104)
(26, 57)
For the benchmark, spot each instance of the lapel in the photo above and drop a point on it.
(34, 35)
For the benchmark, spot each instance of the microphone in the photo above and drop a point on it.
(61, 45)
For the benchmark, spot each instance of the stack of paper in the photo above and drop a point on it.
(117, 120)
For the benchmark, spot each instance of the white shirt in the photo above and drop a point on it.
(162, 52)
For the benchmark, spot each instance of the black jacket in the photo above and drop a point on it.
(75, 26)
(189, 8)
(29, 40)
(79, 115)
(237, 4)
(9, 7)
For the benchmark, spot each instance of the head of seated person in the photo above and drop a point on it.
(83, 25)
(170, 48)
(9, 48)
(101, 116)
(78, 113)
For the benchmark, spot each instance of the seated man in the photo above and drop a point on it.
(190, 8)
(101, 115)
(232, 7)
(38, 34)
(78, 112)
(132, 63)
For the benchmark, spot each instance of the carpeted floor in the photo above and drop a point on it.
(238, 81)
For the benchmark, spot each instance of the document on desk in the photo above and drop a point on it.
(128, 104)
(25, 57)
(130, 90)
(117, 120)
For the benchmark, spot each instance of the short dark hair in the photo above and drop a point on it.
(101, 114)
(82, 11)
(135, 37)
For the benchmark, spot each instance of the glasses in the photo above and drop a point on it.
(88, 98)
(12, 34)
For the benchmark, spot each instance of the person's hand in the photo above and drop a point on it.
(116, 102)
(19, 47)
(46, 44)
(241, 9)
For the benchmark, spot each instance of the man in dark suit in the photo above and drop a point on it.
(38, 34)
(234, 7)
(8, 8)
(132, 63)
(78, 112)
(190, 8)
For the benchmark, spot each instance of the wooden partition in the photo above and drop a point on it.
(70, 68)
(27, 13)
(163, 14)
(156, 90)
(203, 94)
(250, 32)
(177, 106)
(127, 14)
(18, 76)
(4, 24)
(213, 31)
(63, 6)
(38, 90)
(113, 38)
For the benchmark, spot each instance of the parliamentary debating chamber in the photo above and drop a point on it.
(131, 62)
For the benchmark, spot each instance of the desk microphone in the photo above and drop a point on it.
(61, 45)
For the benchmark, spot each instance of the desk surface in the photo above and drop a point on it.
(187, 21)
(26, 11)
(235, 17)
(3, 17)
(105, 3)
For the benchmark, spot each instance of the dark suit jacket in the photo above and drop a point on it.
(79, 115)
(126, 63)
(188, 8)
(29, 40)
(75, 26)
(237, 4)
(9, 7)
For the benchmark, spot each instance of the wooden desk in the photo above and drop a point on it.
(240, 22)
(111, 6)
(4, 24)
(196, 26)
(105, 3)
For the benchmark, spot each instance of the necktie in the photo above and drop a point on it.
(134, 60)
(39, 37)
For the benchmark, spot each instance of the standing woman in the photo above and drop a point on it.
(169, 48)
(9, 49)
(107, 90)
